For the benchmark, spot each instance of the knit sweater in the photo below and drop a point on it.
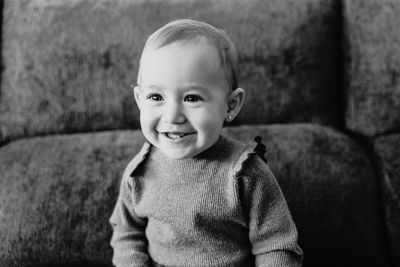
(221, 208)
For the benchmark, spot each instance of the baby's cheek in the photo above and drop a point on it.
(211, 125)
(148, 126)
(147, 119)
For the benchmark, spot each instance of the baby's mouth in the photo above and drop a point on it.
(175, 135)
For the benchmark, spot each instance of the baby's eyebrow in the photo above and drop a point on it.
(152, 87)
(193, 87)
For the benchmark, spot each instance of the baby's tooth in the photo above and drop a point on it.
(175, 135)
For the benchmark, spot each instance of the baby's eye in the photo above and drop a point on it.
(155, 97)
(193, 98)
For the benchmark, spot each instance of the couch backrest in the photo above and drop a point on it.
(372, 66)
(68, 65)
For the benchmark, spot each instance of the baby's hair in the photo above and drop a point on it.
(187, 30)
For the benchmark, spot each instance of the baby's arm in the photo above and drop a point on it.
(272, 232)
(128, 240)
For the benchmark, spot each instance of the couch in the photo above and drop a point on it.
(323, 90)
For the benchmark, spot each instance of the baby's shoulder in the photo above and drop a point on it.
(138, 160)
(249, 158)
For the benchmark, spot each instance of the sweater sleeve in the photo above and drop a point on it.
(272, 232)
(128, 239)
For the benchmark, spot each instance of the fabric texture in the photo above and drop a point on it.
(217, 209)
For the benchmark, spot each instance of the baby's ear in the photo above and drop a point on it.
(136, 94)
(235, 103)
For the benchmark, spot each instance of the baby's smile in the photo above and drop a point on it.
(176, 135)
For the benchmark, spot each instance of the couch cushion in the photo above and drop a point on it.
(68, 65)
(372, 65)
(331, 190)
(57, 193)
(387, 149)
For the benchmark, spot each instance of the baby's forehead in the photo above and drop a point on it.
(198, 42)
(196, 50)
(199, 50)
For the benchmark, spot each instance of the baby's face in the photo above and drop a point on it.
(182, 98)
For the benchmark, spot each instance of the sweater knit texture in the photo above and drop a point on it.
(221, 208)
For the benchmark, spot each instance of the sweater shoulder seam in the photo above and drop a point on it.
(239, 165)
(137, 161)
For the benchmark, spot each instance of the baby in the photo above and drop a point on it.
(192, 197)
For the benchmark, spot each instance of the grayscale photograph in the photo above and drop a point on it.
(200, 133)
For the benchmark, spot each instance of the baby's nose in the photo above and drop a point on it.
(173, 113)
